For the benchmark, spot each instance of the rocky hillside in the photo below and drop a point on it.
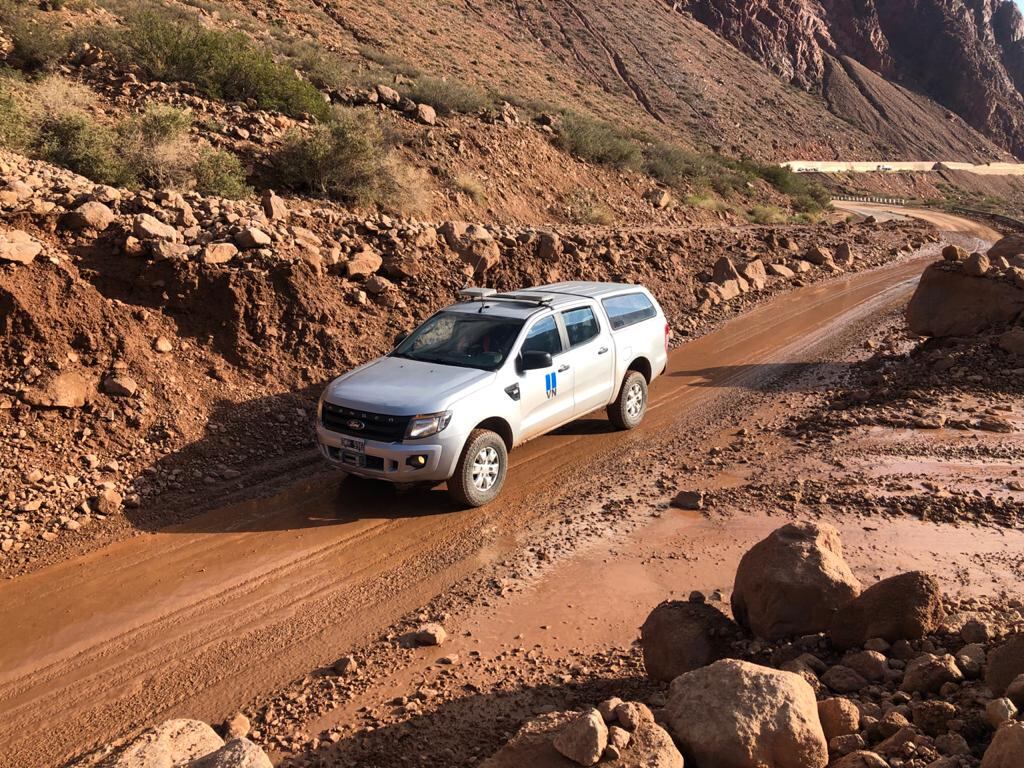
(967, 55)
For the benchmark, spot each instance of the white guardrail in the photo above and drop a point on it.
(869, 199)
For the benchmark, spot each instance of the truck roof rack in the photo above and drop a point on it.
(522, 298)
(489, 294)
(475, 294)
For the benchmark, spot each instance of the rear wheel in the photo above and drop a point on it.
(481, 469)
(630, 406)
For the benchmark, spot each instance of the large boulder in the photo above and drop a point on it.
(928, 673)
(364, 263)
(1005, 663)
(237, 753)
(1007, 248)
(903, 607)
(949, 302)
(68, 389)
(819, 255)
(678, 637)
(860, 759)
(147, 227)
(583, 739)
(755, 273)
(172, 743)
(792, 582)
(648, 746)
(1006, 749)
(474, 244)
(18, 247)
(839, 717)
(90, 215)
(733, 714)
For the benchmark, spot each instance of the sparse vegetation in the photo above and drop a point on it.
(447, 96)
(767, 214)
(470, 187)
(37, 43)
(394, 64)
(50, 119)
(583, 207)
(224, 65)
(85, 146)
(346, 159)
(220, 173)
(597, 142)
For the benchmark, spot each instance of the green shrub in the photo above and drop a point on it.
(84, 146)
(36, 44)
(345, 159)
(597, 142)
(447, 96)
(675, 166)
(220, 173)
(224, 65)
(15, 130)
(766, 214)
(157, 146)
(805, 195)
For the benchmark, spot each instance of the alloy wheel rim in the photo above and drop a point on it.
(634, 400)
(486, 466)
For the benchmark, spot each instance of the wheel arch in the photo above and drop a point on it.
(501, 427)
(643, 366)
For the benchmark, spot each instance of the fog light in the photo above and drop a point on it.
(417, 462)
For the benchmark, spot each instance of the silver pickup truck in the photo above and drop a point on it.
(489, 373)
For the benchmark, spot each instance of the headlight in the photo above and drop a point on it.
(427, 425)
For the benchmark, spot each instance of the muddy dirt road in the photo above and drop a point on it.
(199, 618)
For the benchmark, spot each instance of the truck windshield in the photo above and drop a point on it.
(462, 339)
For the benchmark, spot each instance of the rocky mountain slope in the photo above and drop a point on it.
(967, 55)
(644, 62)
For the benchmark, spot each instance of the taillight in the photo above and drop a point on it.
(668, 335)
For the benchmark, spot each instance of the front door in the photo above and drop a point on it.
(546, 395)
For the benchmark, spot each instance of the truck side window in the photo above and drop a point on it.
(628, 309)
(544, 337)
(581, 325)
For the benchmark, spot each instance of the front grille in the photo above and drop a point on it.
(376, 426)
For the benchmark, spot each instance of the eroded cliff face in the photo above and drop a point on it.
(968, 55)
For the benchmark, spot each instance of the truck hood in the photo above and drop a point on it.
(400, 387)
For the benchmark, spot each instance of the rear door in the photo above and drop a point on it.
(591, 358)
(545, 398)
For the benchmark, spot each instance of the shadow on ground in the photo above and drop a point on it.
(469, 729)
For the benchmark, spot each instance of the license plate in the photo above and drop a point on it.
(353, 452)
(353, 444)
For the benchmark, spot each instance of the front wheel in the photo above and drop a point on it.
(630, 406)
(481, 470)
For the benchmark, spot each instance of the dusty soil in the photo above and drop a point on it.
(244, 600)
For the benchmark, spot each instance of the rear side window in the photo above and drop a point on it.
(544, 337)
(628, 309)
(580, 325)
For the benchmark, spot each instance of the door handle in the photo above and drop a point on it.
(602, 350)
(563, 369)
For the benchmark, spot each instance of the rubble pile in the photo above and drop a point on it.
(816, 672)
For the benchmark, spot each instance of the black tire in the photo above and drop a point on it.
(623, 412)
(466, 489)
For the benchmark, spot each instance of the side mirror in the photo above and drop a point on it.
(400, 338)
(534, 360)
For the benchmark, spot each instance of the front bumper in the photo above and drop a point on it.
(389, 461)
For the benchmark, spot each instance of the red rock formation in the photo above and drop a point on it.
(967, 55)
